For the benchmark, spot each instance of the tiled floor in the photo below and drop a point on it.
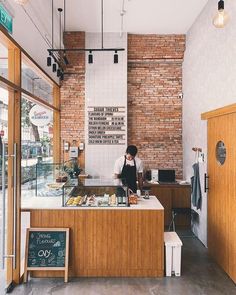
(200, 276)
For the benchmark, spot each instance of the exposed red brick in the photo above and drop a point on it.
(154, 104)
(73, 93)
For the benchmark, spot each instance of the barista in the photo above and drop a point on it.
(128, 168)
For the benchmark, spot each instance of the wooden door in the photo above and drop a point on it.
(221, 189)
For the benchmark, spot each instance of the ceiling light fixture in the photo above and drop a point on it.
(49, 61)
(59, 55)
(21, 2)
(58, 73)
(90, 57)
(54, 67)
(222, 17)
(65, 59)
(116, 59)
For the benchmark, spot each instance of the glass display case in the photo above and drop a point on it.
(51, 177)
(94, 193)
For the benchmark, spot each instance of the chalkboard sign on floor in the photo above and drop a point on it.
(47, 249)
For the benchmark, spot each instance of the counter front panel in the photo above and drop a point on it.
(118, 243)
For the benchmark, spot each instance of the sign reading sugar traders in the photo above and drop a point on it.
(106, 125)
(6, 19)
(40, 116)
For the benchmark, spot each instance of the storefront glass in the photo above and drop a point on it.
(35, 82)
(36, 143)
(36, 148)
(3, 185)
(3, 61)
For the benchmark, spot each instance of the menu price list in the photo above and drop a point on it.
(106, 125)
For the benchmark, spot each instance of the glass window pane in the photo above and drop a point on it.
(3, 177)
(36, 142)
(34, 81)
(3, 61)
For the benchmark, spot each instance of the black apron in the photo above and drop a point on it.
(129, 176)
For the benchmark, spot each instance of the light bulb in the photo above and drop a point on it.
(21, 2)
(221, 19)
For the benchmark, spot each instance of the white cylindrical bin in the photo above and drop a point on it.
(173, 246)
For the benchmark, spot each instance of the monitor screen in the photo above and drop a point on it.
(166, 175)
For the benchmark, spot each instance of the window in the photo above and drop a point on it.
(35, 82)
(36, 140)
(3, 61)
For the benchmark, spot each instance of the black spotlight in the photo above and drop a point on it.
(49, 61)
(58, 73)
(62, 76)
(116, 58)
(66, 61)
(90, 57)
(54, 67)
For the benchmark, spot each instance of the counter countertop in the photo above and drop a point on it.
(37, 203)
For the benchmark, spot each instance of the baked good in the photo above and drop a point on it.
(133, 199)
(112, 200)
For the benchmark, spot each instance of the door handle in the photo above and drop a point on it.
(3, 206)
(14, 204)
(4, 255)
(206, 182)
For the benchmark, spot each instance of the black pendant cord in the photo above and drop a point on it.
(52, 27)
(60, 11)
(102, 21)
(59, 55)
(60, 29)
(64, 15)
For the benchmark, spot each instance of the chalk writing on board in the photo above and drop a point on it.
(46, 249)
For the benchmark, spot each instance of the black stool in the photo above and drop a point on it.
(176, 211)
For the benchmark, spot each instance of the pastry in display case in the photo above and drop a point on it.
(93, 193)
(133, 199)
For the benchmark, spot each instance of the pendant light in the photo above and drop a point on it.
(222, 17)
(90, 57)
(116, 58)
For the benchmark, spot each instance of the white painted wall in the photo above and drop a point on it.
(209, 72)
(105, 85)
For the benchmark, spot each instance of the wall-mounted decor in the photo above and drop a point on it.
(107, 125)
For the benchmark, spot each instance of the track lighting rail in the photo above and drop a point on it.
(85, 49)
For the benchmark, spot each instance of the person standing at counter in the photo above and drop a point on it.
(128, 168)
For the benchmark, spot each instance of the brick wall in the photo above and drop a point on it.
(73, 94)
(154, 103)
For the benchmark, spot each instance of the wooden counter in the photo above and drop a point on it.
(107, 242)
(171, 196)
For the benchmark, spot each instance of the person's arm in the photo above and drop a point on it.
(117, 172)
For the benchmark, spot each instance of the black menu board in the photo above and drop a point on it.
(46, 249)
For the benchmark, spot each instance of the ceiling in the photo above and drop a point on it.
(146, 17)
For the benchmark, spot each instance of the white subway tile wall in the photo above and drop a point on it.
(105, 86)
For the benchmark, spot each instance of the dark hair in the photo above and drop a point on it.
(132, 150)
